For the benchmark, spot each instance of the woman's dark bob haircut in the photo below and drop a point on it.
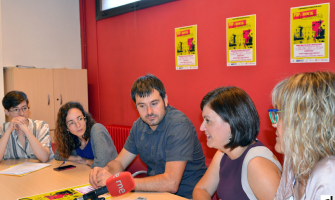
(235, 107)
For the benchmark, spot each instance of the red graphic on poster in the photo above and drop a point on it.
(304, 14)
(237, 24)
(184, 32)
(190, 44)
(316, 26)
(59, 195)
(246, 36)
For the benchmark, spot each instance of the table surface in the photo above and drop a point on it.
(47, 180)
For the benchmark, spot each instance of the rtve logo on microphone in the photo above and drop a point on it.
(326, 197)
(119, 184)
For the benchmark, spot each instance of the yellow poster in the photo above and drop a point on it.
(186, 47)
(65, 194)
(310, 33)
(241, 40)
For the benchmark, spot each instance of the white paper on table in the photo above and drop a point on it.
(24, 168)
(89, 188)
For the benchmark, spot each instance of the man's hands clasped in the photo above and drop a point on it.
(98, 177)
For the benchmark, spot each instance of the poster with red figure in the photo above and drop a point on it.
(310, 33)
(186, 47)
(241, 40)
(65, 194)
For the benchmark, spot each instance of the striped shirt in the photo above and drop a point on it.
(14, 149)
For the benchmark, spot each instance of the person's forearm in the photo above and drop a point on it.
(89, 162)
(114, 167)
(157, 183)
(3, 143)
(81, 160)
(73, 158)
(42, 153)
(201, 194)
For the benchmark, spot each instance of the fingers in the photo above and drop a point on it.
(15, 125)
(20, 119)
(79, 158)
(93, 177)
(102, 177)
(98, 177)
(11, 127)
(83, 161)
(20, 123)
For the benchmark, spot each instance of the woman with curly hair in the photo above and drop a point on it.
(80, 139)
(304, 116)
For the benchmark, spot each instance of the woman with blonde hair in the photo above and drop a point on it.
(304, 116)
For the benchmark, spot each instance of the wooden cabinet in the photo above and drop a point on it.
(48, 89)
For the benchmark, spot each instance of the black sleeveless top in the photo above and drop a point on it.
(230, 186)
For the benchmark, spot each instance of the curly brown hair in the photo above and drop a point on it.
(66, 142)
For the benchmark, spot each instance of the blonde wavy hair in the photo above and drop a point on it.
(308, 104)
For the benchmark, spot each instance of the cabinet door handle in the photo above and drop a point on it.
(61, 99)
(48, 99)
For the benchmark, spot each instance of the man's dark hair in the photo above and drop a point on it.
(13, 99)
(145, 85)
(235, 107)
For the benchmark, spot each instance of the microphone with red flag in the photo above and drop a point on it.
(117, 185)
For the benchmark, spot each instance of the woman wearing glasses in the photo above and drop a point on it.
(80, 139)
(304, 116)
(242, 168)
(23, 137)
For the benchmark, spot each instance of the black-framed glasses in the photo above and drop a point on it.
(72, 123)
(273, 113)
(17, 110)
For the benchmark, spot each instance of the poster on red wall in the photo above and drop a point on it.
(310, 33)
(186, 47)
(241, 40)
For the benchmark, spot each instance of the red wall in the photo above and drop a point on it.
(120, 50)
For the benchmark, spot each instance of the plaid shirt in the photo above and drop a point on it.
(40, 130)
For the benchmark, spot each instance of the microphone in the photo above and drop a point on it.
(117, 185)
